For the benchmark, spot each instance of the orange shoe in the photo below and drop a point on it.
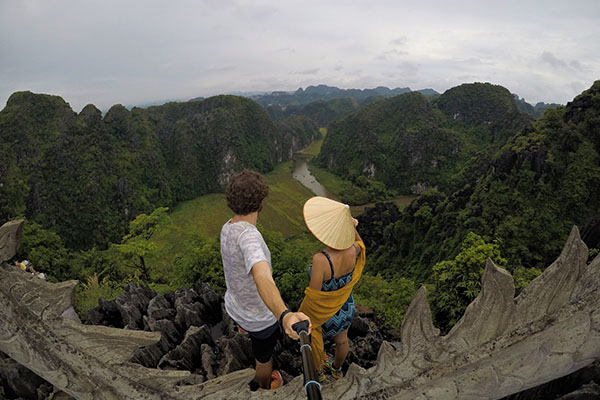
(276, 379)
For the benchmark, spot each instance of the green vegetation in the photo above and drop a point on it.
(356, 191)
(87, 294)
(86, 177)
(388, 298)
(200, 218)
(409, 143)
(314, 148)
(322, 112)
(323, 93)
(95, 191)
(521, 205)
(136, 245)
(458, 282)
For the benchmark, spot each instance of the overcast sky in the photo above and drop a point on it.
(136, 52)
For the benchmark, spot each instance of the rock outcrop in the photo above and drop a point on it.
(502, 345)
(198, 336)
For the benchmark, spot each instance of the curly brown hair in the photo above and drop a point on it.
(246, 191)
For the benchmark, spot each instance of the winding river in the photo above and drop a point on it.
(302, 174)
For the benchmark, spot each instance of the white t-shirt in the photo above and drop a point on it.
(242, 246)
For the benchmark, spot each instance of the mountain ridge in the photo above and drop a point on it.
(411, 143)
(88, 175)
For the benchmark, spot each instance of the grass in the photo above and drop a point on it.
(314, 148)
(205, 215)
(201, 216)
(282, 212)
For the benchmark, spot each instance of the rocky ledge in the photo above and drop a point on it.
(200, 337)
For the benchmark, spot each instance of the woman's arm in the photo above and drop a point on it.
(319, 263)
(357, 237)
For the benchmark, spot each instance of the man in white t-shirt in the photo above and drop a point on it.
(252, 298)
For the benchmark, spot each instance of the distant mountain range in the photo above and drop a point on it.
(365, 96)
(535, 111)
(302, 97)
(324, 92)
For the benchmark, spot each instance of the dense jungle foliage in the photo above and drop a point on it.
(323, 112)
(85, 176)
(520, 205)
(95, 190)
(412, 144)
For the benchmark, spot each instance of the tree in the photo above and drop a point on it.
(135, 245)
(389, 298)
(200, 262)
(46, 251)
(457, 282)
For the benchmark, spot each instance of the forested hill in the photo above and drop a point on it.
(328, 103)
(86, 175)
(524, 200)
(324, 92)
(323, 112)
(411, 143)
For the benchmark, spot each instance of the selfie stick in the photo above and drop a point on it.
(312, 387)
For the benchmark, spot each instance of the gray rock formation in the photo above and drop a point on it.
(575, 386)
(501, 346)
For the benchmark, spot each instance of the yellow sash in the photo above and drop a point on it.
(320, 306)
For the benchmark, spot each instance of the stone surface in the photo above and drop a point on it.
(18, 381)
(590, 391)
(133, 303)
(566, 385)
(10, 238)
(500, 347)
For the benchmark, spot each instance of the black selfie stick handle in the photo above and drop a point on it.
(312, 387)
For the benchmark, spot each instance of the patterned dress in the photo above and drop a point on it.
(343, 318)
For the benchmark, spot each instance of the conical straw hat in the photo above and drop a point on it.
(330, 221)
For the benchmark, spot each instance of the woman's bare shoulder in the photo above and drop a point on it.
(319, 259)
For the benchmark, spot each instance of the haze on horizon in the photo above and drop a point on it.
(139, 52)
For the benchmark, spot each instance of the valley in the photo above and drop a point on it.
(439, 185)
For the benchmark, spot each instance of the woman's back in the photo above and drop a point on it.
(341, 262)
(340, 270)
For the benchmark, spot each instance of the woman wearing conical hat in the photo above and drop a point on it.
(328, 300)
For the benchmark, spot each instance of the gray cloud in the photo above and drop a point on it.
(391, 54)
(576, 65)
(401, 41)
(145, 50)
(312, 71)
(552, 60)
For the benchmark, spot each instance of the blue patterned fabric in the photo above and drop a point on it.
(341, 320)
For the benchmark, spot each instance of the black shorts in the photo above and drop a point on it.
(263, 342)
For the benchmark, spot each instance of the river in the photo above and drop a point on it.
(302, 174)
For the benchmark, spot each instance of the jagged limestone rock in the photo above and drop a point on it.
(500, 346)
(10, 238)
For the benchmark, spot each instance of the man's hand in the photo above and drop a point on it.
(290, 319)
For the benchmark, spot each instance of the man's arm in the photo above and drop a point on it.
(261, 272)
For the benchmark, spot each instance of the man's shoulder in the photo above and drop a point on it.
(241, 232)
